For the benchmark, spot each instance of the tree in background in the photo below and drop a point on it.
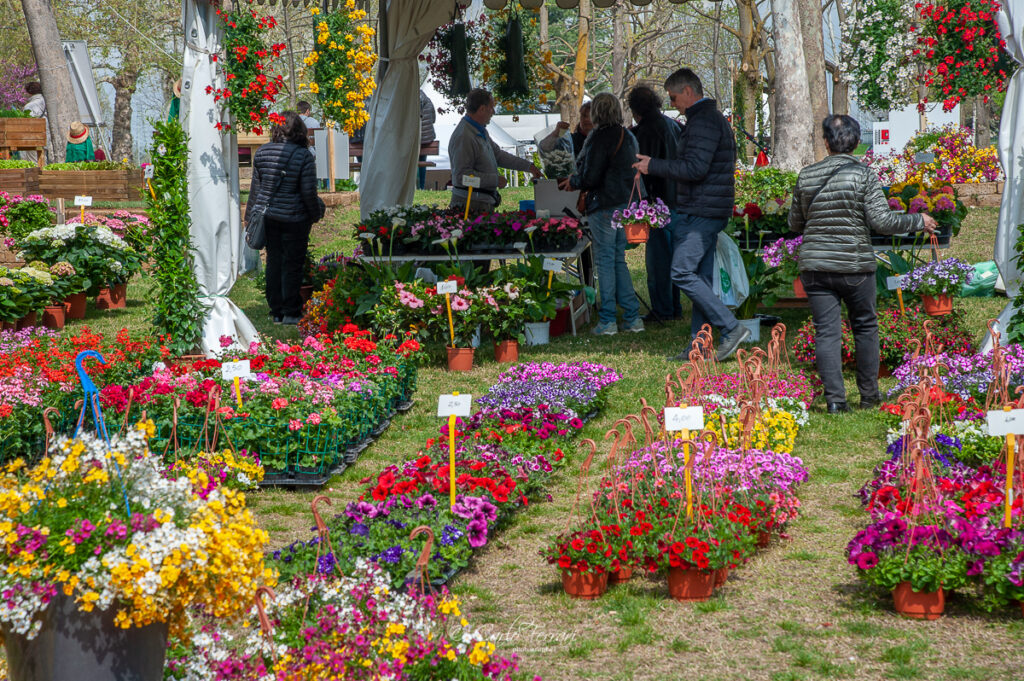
(61, 108)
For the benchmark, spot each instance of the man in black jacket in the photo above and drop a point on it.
(705, 191)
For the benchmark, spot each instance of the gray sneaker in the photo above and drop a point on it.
(729, 342)
(636, 327)
(608, 329)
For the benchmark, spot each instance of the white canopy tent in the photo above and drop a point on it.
(212, 180)
(1011, 156)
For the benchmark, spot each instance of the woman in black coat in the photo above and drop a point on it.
(284, 180)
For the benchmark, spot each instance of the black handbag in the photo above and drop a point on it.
(255, 225)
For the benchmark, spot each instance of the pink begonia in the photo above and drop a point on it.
(294, 424)
(226, 341)
(313, 419)
(279, 403)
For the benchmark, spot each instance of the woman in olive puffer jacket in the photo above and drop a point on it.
(837, 203)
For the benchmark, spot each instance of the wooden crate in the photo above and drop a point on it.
(22, 133)
(101, 185)
(23, 181)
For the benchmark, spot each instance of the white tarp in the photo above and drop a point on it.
(1011, 156)
(212, 180)
(392, 135)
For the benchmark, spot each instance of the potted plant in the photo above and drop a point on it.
(51, 292)
(70, 287)
(459, 329)
(938, 282)
(784, 254)
(640, 217)
(96, 253)
(584, 557)
(93, 586)
(502, 309)
(684, 554)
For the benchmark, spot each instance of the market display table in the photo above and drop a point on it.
(576, 264)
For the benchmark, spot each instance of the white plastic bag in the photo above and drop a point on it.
(730, 281)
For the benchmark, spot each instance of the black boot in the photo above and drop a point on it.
(838, 408)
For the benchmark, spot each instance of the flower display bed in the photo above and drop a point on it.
(101, 185)
(505, 454)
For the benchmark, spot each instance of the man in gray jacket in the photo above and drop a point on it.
(837, 203)
(472, 152)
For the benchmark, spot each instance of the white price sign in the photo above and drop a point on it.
(471, 181)
(543, 214)
(150, 172)
(519, 245)
(447, 287)
(893, 283)
(1001, 423)
(453, 405)
(231, 370)
(684, 418)
(552, 265)
(83, 201)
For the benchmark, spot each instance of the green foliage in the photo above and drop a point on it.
(179, 311)
(14, 164)
(925, 568)
(346, 185)
(24, 215)
(14, 113)
(1015, 332)
(764, 184)
(90, 165)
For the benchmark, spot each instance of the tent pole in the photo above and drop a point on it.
(382, 40)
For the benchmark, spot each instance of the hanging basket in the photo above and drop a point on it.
(936, 306)
(922, 605)
(637, 232)
(690, 585)
(584, 585)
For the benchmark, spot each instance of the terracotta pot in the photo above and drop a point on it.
(112, 298)
(636, 232)
(53, 317)
(936, 306)
(74, 306)
(721, 574)
(460, 359)
(798, 288)
(28, 320)
(506, 351)
(884, 371)
(305, 292)
(690, 585)
(763, 539)
(623, 574)
(584, 585)
(924, 605)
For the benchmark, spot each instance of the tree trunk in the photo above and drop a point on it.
(579, 71)
(840, 86)
(749, 77)
(983, 117)
(814, 62)
(793, 131)
(619, 54)
(61, 108)
(124, 88)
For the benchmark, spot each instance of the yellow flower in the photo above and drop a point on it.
(314, 10)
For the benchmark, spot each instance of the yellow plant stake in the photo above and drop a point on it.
(238, 391)
(448, 288)
(470, 181)
(1008, 502)
(152, 193)
(689, 475)
(451, 457)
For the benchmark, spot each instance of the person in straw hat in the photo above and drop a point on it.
(174, 109)
(79, 146)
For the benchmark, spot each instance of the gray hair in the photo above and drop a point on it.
(477, 98)
(605, 110)
(842, 133)
(684, 78)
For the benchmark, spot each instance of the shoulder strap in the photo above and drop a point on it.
(622, 136)
(827, 180)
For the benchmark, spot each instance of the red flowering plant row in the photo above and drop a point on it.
(37, 371)
(302, 409)
(935, 509)
(504, 457)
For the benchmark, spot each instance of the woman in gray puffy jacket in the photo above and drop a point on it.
(837, 203)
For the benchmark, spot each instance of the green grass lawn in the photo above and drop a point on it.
(795, 612)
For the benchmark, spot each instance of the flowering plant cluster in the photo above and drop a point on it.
(940, 278)
(451, 56)
(302, 408)
(897, 334)
(796, 387)
(941, 204)
(964, 374)
(133, 228)
(102, 524)
(92, 249)
(249, 89)
(655, 214)
(956, 160)
(761, 220)
(877, 54)
(20, 215)
(339, 69)
(37, 371)
(784, 254)
(353, 626)
(962, 49)
(504, 455)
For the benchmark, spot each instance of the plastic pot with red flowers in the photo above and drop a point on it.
(585, 558)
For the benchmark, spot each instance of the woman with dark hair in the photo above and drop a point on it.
(284, 180)
(837, 203)
(657, 136)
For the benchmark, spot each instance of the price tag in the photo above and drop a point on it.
(367, 235)
(453, 405)
(519, 245)
(543, 214)
(150, 172)
(684, 418)
(1002, 423)
(552, 265)
(471, 181)
(84, 201)
(893, 283)
(230, 370)
(447, 287)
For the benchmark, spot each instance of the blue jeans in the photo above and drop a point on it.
(613, 278)
(693, 267)
(663, 294)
